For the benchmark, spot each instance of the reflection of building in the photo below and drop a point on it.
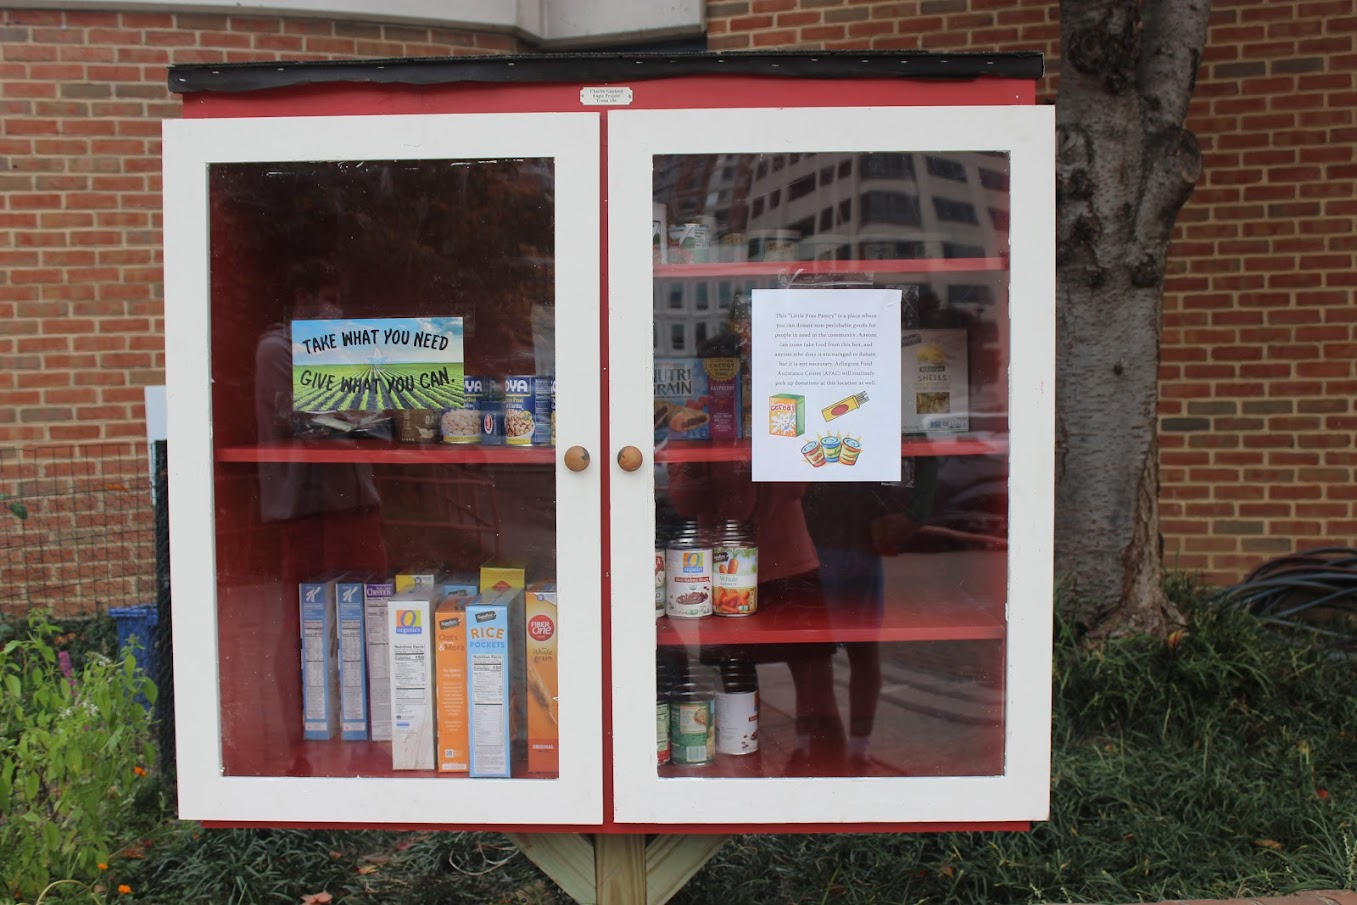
(832, 207)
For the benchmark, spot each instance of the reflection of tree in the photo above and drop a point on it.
(413, 238)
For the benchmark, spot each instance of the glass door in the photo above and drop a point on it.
(848, 378)
(386, 575)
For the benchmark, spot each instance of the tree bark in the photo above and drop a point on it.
(1125, 166)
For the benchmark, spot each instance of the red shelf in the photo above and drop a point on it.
(739, 450)
(930, 597)
(387, 452)
(775, 268)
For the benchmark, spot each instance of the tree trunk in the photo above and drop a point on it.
(1125, 166)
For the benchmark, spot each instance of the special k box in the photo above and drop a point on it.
(410, 650)
(498, 576)
(494, 627)
(450, 662)
(353, 692)
(320, 657)
(539, 641)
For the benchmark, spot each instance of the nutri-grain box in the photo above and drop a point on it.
(542, 669)
(495, 680)
(377, 590)
(450, 662)
(320, 657)
(411, 658)
(350, 605)
(935, 382)
(697, 399)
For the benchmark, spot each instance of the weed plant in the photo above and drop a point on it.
(1217, 763)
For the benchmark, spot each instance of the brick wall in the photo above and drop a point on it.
(1257, 374)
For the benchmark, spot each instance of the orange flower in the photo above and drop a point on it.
(124, 889)
(140, 771)
(103, 866)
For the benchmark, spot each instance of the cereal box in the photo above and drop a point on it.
(495, 680)
(498, 576)
(450, 661)
(541, 667)
(320, 657)
(697, 399)
(411, 657)
(421, 576)
(458, 584)
(786, 415)
(353, 693)
(376, 592)
(935, 382)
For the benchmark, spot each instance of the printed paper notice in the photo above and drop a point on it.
(825, 385)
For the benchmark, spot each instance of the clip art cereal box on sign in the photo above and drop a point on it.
(935, 382)
(697, 399)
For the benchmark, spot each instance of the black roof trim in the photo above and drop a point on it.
(604, 68)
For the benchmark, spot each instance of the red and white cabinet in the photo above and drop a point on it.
(610, 223)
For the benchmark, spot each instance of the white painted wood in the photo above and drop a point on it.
(1022, 792)
(190, 147)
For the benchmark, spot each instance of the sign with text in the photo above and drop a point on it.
(826, 384)
(377, 364)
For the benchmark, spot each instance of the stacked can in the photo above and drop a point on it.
(463, 425)
(692, 721)
(529, 400)
(659, 571)
(688, 573)
(664, 689)
(735, 561)
(737, 707)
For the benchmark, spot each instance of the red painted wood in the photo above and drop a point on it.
(777, 268)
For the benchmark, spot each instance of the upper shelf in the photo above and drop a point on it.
(389, 452)
(775, 268)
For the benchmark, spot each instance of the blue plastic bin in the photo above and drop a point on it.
(139, 621)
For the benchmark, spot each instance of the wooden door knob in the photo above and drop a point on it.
(577, 458)
(629, 457)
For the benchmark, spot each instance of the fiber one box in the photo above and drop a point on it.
(320, 657)
(935, 382)
(418, 577)
(376, 592)
(410, 626)
(494, 625)
(697, 399)
(542, 668)
(498, 576)
(450, 663)
(350, 601)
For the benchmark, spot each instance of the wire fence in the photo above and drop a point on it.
(77, 528)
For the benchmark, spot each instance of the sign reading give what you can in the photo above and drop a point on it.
(377, 364)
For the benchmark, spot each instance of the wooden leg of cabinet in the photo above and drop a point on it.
(618, 869)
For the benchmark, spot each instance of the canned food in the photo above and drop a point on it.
(692, 726)
(492, 423)
(527, 410)
(687, 575)
(737, 707)
(735, 581)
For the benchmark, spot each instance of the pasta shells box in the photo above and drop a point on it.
(697, 399)
(935, 382)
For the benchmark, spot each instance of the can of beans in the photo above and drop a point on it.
(687, 574)
(520, 406)
(692, 725)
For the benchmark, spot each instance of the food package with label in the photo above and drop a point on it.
(935, 382)
(697, 399)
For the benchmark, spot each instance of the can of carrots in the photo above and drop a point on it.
(735, 570)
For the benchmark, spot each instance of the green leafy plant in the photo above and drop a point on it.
(16, 508)
(75, 749)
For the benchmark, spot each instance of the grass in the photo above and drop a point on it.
(1218, 764)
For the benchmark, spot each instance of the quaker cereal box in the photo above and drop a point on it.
(450, 663)
(498, 576)
(935, 382)
(421, 576)
(320, 658)
(540, 619)
(353, 693)
(411, 657)
(786, 415)
(697, 399)
(376, 592)
(495, 680)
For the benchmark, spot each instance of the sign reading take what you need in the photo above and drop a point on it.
(377, 364)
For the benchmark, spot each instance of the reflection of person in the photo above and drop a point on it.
(329, 513)
(788, 577)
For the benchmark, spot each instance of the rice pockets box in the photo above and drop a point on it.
(697, 399)
(935, 382)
